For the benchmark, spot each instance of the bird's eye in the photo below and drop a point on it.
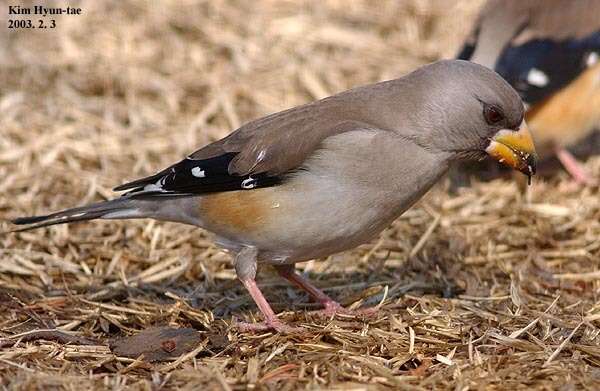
(492, 114)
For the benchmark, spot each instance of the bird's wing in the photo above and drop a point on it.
(540, 67)
(538, 47)
(259, 154)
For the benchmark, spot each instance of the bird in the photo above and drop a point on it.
(324, 177)
(549, 51)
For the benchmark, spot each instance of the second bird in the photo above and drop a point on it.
(549, 51)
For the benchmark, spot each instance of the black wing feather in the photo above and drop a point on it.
(194, 176)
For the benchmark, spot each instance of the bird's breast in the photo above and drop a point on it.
(296, 221)
(309, 217)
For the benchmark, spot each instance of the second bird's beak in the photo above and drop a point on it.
(515, 149)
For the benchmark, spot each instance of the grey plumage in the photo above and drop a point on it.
(125, 207)
(376, 147)
(422, 108)
(327, 176)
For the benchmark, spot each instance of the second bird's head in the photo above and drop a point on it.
(473, 112)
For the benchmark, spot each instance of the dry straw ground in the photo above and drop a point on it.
(492, 289)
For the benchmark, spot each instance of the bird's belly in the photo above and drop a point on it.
(570, 114)
(289, 224)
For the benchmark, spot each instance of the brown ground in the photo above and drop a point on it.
(490, 289)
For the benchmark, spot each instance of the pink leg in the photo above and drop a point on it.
(271, 321)
(331, 306)
(573, 167)
(245, 268)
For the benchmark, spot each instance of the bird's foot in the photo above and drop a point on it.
(581, 177)
(268, 325)
(333, 308)
(574, 168)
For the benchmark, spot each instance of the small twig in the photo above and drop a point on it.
(561, 346)
(49, 335)
(425, 236)
(516, 334)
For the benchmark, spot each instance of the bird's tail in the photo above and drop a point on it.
(119, 208)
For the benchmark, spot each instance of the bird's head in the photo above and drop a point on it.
(475, 112)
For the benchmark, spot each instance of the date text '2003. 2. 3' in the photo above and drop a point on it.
(38, 10)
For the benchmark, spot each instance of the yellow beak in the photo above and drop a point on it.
(515, 149)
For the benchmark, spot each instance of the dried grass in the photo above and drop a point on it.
(490, 289)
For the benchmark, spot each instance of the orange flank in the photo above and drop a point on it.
(236, 211)
(569, 115)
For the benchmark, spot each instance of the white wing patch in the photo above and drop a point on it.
(592, 59)
(261, 155)
(154, 187)
(537, 78)
(248, 183)
(122, 214)
(198, 172)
